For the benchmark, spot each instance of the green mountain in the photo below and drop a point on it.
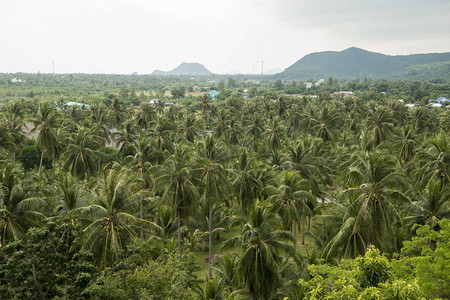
(356, 63)
(193, 69)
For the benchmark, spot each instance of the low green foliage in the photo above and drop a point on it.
(43, 267)
(145, 272)
(428, 254)
(422, 272)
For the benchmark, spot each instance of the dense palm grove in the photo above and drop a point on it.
(296, 197)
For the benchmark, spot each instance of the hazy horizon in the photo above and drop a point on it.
(122, 37)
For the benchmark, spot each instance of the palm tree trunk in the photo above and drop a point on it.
(141, 216)
(295, 237)
(210, 238)
(40, 163)
(286, 253)
(309, 227)
(14, 156)
(54, 169)
(179, 238)
(303, 230)
(242, 215)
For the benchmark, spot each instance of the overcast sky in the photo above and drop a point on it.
(125, 36)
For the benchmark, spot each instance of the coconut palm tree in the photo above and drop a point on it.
(232, 133)
(324, 123)
(167, 222)
(290, 196)
(161, 132)
(347, 242)
(274, 134)
(73, 118)
(145, 115)
(305, 159)
(213, 177)
(294, 119)
(146, 155)
(5, 139)
(214, 290)
(175, 176)
(380, 122)
(206, 106)
(160, 104)
(254, 128)
(19, 204)
(79, 154)
(14, 123)
(435, 160)
(420, 119)
(431, 205)
(246, 185)
(113, 223)
(406, 143)
(261, 242)
(69, 201)
(126, 136)
(399, 112)
(444, 120)
(45, 123)
(282, 105)
(117, 112)
(374, 194)
(188, 127)
(101, 120)
(226, 269)
(221, 123)
(221, 216)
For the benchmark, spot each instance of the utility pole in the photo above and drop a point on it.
(53, 68)
(262, 68)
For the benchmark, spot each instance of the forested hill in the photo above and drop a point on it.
(186, 69)
(357, 63)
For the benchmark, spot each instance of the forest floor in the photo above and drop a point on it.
(201, 254)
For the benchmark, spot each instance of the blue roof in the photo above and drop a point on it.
(213, 94)
(440, 99)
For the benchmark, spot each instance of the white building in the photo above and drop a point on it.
(17, 80)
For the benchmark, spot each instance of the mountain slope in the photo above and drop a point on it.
(186, 69)
(355, 62)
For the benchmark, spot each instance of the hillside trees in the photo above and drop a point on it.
(263, 165)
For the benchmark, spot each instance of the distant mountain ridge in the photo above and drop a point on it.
(194, 69)
(356, 63)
